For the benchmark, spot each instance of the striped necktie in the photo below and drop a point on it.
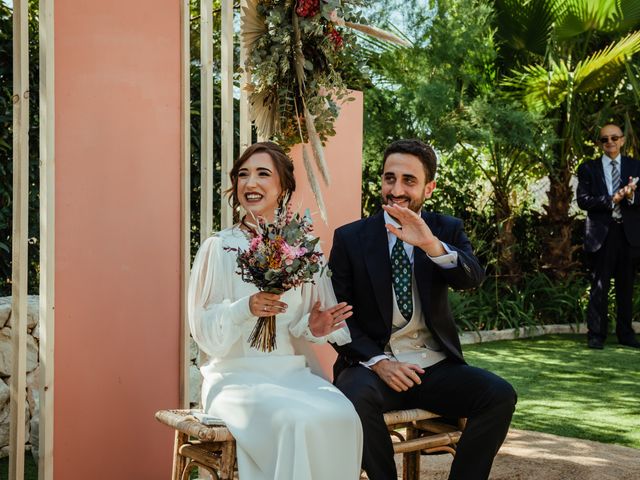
(401, 276)
(615, 186)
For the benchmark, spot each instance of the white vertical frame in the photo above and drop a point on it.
(185, 195)
(47, 238)
(226, 100)
(206, 117)
(245, 121)
(20, 231)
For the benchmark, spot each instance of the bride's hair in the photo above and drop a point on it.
(281, 161)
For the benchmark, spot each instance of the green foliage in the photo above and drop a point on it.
(444, 90)
(6, 148)
(567, 389)
(196, 122)
(576, 80)
(535, 300)
(30, 467)
(294, 54)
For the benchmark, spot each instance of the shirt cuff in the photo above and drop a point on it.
(239, 310)
(373, 360)
(448, 260)
(308, 335)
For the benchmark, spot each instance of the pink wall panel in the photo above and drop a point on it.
(342, 197)
(117, 236)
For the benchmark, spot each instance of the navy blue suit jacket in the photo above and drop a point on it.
(593, 197)
(361, 276)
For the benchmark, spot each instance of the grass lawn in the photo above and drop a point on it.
(567, 389)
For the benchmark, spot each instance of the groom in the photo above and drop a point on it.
(395, 268)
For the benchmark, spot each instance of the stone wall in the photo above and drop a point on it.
(6, 365)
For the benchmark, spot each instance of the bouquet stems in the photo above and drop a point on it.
(263, 336)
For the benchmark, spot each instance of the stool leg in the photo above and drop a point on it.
(179, 462)
(228, 461)
(411, 460)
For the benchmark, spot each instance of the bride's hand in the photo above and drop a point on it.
(263, 304)
(323, 322)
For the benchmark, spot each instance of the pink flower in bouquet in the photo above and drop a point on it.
(281, 255)
(255, 243)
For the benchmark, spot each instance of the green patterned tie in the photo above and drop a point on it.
(401, 276)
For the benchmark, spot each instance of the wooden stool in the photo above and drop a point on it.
(213, 448)
(426, 432)
(210, 447)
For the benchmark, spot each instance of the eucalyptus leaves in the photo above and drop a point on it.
(295, 88)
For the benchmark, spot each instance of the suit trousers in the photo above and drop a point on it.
(612, 260)
(448, 388)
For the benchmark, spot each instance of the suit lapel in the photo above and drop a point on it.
(624, 170)
(375, 245)
(423, 268)
(600, 176)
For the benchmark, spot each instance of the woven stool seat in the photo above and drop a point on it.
(209, 447)
(213, 448)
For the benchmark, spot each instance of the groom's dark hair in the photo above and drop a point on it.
(418, 148)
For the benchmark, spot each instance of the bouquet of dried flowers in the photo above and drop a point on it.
(281, 255)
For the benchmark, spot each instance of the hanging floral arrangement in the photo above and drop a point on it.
(295, 89)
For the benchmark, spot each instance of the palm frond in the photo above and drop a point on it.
(541, 88)
(252, 25)
(538, 87)
(629, 14)
(526, 26)
(601, 67)
(583, 15)
(264, 112)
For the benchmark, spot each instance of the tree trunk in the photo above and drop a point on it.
(557, 256)
(507, 262)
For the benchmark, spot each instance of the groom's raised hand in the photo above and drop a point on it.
(414, 230)
(400, 376)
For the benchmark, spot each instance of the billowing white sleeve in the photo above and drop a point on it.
(214, 315)
(322, 290)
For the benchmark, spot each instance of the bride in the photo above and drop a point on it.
(289, 423)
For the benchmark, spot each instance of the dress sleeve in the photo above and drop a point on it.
(321, 290)
(214, 315)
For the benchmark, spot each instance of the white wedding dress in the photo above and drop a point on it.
(289, 424)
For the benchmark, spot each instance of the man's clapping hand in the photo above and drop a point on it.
(626, 191)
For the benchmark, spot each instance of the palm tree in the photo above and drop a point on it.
(559, 53)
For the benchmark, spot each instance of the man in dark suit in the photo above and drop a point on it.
(395, 268)
(606, 190)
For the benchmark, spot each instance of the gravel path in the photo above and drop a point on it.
(531, 455)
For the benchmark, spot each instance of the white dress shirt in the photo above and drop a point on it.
(607, 168)
(447, 260)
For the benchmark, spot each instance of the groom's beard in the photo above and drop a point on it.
(412, 204)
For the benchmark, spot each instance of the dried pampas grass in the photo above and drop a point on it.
(313, 182)
(316, 146)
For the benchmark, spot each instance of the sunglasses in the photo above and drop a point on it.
(613, 138)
